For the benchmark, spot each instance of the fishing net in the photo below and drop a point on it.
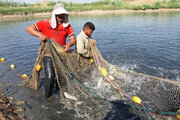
(99, 90)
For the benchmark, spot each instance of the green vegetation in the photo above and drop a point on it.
(10, 7)
(24, 10)
(7, 7)
(157, 5)
(12, 4)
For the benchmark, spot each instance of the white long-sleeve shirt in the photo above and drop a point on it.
(82, 44)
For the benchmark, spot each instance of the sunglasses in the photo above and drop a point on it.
(60, 16)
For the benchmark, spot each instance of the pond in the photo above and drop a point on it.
(148, 43)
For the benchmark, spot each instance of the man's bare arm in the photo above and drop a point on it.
(32, 30)
(71, 43)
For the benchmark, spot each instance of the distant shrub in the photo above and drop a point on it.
(156, 5)
(7, 3)
(174, 1)
(52, 4)
(146, 7)
(136, 7)
(116, 2)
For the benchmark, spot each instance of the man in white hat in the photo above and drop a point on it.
(58, 29)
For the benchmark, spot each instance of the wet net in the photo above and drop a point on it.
(99, 90)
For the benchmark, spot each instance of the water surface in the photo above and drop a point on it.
(148, 43)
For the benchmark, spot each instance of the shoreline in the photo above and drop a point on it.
(122, 11)
(92, 12)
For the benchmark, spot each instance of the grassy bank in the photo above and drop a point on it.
(119, 4)
(7, 7)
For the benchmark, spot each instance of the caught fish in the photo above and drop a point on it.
(67, 95)
(79, 103)
(103, 84)
(21, 102)
(119, 94)
(111, 77)
(100, 82)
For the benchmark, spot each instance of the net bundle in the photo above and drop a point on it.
(96, 95)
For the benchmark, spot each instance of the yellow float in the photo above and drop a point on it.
(178, 116)
(2, 59)
(24, 76)
(38, 67)
(12, 66)
(92, 60)
(137, 99)
(104, 72)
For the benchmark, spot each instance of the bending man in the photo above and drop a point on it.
(58, 29)
(82, 45)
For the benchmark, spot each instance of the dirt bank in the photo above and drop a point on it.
(104, 12)
(93, 12)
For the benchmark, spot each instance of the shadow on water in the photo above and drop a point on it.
(120, 111)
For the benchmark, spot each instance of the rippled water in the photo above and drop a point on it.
(147, 43)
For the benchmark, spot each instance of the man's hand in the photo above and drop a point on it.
(71, 43)
(67, 47)
(42, 37)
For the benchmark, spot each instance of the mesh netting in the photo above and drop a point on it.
(84, 88)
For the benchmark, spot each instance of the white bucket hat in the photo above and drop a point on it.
(59, 9)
